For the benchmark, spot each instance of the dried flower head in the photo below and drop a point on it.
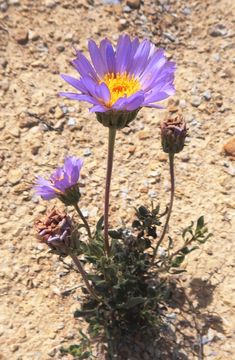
(55, 229)
(173, 134)
(63, 183)
(118, 82)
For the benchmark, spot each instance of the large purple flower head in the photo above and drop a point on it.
(63, 183)
(118, 82)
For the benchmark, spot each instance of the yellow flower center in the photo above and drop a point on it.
(120, 85)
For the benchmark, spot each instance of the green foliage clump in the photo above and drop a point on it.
(132, 287)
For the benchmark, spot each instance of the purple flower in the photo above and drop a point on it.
(62, 183)
(133, 75)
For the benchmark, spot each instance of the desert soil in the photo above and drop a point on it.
(38, 129)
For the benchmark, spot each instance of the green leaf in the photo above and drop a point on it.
(156, 210)
(131, 303)
(200, 223)
(83, 335)
(115, 234)
(99, 224)
(178, 261)
(136, 224)
(202, 241)
(83, 313)
(143, 211)
(187, 250)
(170, 243)
(188, 230)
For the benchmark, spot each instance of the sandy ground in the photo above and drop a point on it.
(36, 45)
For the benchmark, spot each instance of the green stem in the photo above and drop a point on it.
(84, 220)
(112, 135)
(172, 176)
(84, 276)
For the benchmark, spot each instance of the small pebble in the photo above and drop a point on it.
(169, 36)
(186, 11)
(216, 57)
(196, 101)
(21, 36)
(134, 4)
(71, 121)
(207, 95)
(127, 9)
(229, 147)
(87, 152)
(218, 30)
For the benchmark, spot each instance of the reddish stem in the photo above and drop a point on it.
(112, 135)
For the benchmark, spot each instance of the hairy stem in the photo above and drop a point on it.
(172, 176)
(84, 276)
(112, 135)
(84, 220)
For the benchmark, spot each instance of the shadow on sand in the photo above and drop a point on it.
(183, 334)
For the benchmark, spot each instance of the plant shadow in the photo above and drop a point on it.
(180, 337)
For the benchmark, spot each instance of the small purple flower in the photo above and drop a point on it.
(62, 183)
(125, 79)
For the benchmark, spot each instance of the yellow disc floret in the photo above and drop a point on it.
(120, 85)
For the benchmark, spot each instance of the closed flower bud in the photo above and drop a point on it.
(173, 134)
(55, 229)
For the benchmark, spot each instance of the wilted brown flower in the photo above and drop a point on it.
(173, 134)
(54, 229)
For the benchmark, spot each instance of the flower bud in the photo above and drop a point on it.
(173, 134)
(55, 229)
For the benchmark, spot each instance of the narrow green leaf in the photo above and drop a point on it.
(99, 224)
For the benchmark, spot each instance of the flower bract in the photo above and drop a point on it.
(122, 79)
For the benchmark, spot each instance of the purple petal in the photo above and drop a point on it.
(102, 48)
(120, 103)
(77, 84)
(62, 184)
(154, 65)
(80, 97)
(156, 106)
(123, 53)
(103, 93)
(90, 84)
(72, 96)
(44, 188)
(140, 58)
(46, 193)
(72, 167)
(58, 174)
(99, 108)
(83, 66)
(134, 101)
(110, 58)
(96, 58)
